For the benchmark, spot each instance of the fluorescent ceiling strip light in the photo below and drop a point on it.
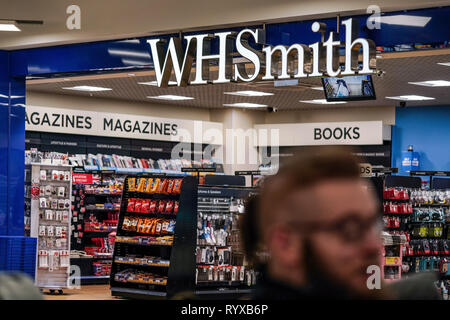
(447, 64)
(171, 97)
(410, 98)
(129, 53)
(317, 88)
(322, 101)
(9, 26)
(136, 62)
(245, 105)
(402, 20)
(87, 88)
(432, 83)
(250, 93)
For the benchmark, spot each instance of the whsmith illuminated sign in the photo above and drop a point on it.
(273, 62)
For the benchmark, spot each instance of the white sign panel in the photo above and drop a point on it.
(327, 133)
(58, 120)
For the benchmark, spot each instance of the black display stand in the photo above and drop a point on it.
(179, 274)
(224, 180)
(403, 181)
(221, 289)
(442, 183)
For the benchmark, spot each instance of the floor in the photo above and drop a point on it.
(87, 292)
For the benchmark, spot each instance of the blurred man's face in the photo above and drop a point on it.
(352, 241)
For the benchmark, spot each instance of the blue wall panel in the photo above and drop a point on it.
(4, 141)
(428, 130)
(12, 146)
(134, 53)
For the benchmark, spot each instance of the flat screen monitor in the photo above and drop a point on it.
(350, 88)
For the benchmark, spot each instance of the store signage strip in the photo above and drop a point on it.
(45, 119)
(326, 133)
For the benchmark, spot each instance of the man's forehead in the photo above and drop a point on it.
(329, 198)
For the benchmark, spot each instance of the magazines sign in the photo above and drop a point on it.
(45, 119)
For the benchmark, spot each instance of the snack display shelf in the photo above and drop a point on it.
(95, 258)
(153, 282)
(104, 194)
(144, 231)
(129, 240)
(166, 244)
(102, 209)
(143, 264)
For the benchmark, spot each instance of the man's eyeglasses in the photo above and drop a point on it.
(350, 229)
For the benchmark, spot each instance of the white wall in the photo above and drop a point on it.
(115, 106)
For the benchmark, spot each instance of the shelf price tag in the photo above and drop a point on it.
(392, 260)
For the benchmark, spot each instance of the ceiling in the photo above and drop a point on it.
(399, 68)
(118, 19)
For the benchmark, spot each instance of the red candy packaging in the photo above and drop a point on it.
(177, 186)
(175, 207)
(169, 207)
(138, 205)
(131, 203)
(145, 206)
(170, 186)
(161, 206)
(152, 208)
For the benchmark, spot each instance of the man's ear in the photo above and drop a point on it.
(285, 246)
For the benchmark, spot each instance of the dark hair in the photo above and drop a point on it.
(327, 163)
(249, 228)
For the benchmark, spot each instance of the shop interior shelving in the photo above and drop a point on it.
(96, 204)
(93, 229)
(174, 265)
(426, 226)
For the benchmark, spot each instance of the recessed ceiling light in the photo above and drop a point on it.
(131, 74)
(87, 88)
(447, 64)
(170, 97)
(432, 83)
(245, 105)
(66, 79)
(322, 101)
(154, 83)
(411, 97)
(250, 93)
(8, 26)
(317, 88)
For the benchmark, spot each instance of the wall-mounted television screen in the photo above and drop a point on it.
(350, 88)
